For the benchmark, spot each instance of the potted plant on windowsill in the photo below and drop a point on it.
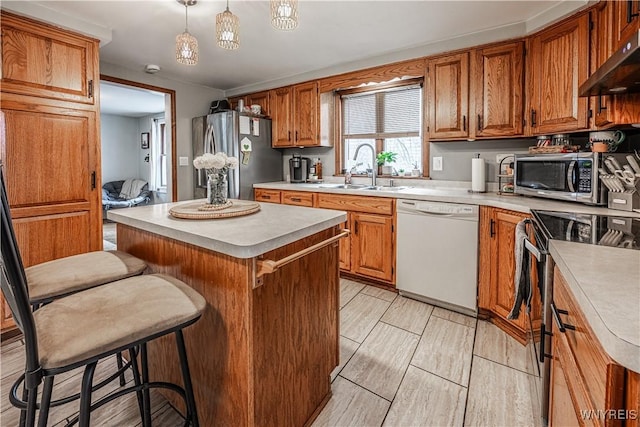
(384, 159)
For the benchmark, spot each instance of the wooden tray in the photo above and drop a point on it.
(554, 149)
(191, 210)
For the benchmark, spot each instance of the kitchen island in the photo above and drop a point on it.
(263, 351)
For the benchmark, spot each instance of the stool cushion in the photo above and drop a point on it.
(105, 318)
(64, 276)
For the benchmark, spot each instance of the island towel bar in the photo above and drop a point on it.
(268, 266)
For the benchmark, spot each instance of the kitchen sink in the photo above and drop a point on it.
(345, 186)
(384, 188)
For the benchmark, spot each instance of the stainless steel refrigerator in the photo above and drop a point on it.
(226, 131)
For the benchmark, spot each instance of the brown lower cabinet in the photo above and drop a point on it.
(496, 270)
(370, 251)
(587, 387)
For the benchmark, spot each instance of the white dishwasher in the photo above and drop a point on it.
(437, 255)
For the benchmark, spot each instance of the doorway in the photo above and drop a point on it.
(138, 142)
(160, 139)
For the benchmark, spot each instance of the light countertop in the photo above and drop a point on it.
(605, 282)
(438, 191)
(248, 236)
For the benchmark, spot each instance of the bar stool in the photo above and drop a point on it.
(85, 327)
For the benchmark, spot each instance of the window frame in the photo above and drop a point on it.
(379, 142)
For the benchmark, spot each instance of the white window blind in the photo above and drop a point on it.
(390, 113)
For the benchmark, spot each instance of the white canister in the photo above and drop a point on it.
(478, 175)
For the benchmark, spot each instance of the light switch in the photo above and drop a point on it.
(437, 163)
(184, 161)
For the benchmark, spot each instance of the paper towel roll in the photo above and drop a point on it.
(478, 183)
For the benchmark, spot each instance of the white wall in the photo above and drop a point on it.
(120, 141)
(191, 101)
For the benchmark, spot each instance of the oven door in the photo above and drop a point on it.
(538, 338)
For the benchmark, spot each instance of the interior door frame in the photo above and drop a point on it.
(172, 94)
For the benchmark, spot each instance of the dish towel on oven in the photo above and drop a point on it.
(521, 278)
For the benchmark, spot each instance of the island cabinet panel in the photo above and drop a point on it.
(269, 196)
(262, 353)
(497, 86)
(558, 64)
(632, 398)
(45, 61)
(497, 269)
(593, 380)
(448, 98)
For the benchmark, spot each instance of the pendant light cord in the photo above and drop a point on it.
(186, 17)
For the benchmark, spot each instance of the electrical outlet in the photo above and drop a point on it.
(499, 157)
(183, 161)
(437, 164)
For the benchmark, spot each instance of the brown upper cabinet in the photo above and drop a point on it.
(610, 110)
(295, 115)
(626, 20)
(497, 90)
(558, 64)
(262, 99)
(448, 96)
(47, 62)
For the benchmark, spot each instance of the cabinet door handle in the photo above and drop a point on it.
(479, 122)
(93, 180)
(533, 118)
(464, 123)
(296, 136)
(90, 88)
(630, 14)
(296, 199)
(355, 226)
(264, 196)
(562, 327)
(492, 228)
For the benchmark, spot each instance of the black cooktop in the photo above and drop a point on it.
(604, 230)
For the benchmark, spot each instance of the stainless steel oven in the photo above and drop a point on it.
(604, 230)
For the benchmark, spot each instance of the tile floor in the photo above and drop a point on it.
(402, 363)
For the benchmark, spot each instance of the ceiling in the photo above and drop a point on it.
(330, 33)
(127, 101)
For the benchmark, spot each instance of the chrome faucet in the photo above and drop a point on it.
(373, 160)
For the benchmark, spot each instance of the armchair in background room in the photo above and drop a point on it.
(125, 193)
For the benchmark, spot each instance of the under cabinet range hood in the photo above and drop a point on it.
(619, 74)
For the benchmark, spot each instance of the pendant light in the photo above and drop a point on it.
(227, 27)
(186, 44)
(284, 14)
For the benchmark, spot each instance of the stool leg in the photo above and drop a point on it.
(32, 398)
(45, 401)
(120, 364)
(136, 380)
(85, 395)
(192, 411)
(146, 420)
(23, 412)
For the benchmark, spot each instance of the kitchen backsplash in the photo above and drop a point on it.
(457, 155)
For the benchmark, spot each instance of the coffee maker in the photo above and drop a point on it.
(299, 168)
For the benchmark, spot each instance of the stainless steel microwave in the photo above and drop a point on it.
(571, 177)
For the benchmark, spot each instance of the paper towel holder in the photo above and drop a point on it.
(482, 172)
